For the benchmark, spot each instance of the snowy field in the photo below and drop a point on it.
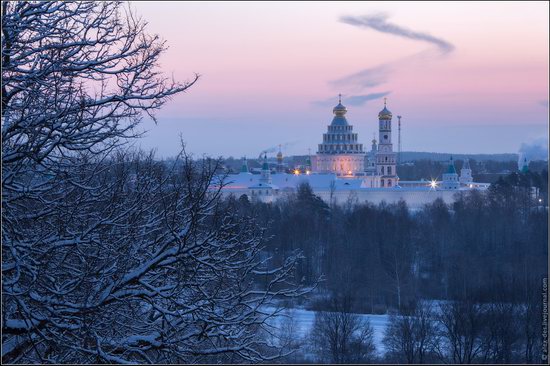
(302, 321)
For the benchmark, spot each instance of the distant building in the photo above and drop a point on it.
(341, 170)
(466, 173)
(450, 177)
(386, 166)
(340, 152)
(524, 166)
(280, 167)
(370, 161)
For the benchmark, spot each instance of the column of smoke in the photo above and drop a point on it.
(536, 150)
(276, 148)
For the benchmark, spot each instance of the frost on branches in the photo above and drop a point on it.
(107, 254)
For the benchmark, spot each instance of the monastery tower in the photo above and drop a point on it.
(385, 157)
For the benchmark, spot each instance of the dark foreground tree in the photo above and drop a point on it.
(411, 338)
(340, 336)
(461, 325)
(109, 256)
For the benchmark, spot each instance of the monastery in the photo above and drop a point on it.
(341, 170)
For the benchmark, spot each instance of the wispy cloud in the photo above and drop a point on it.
(380, 74)
(543, 103)
(379, 23)
(366, 78)
(353, 100)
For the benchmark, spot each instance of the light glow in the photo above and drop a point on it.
(433, 184)
(296, 172)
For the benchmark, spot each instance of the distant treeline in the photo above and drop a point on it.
(416, 155)
(488, 171)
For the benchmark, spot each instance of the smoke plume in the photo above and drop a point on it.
(535, 150)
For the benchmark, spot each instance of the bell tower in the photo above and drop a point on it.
(385, 157)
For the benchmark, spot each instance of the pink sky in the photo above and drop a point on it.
(264, 65)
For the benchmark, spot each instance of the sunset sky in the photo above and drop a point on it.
(467, 77)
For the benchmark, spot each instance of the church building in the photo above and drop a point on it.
(340, 152)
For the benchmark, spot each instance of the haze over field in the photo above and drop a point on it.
(466, 77)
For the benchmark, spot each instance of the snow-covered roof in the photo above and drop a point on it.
(320, 182)
(281, 180)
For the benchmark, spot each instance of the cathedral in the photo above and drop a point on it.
(340, 152)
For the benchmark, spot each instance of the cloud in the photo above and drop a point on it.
(378, 75)
(366, 78)
(354, 100)
(378, 22)
(543, 103)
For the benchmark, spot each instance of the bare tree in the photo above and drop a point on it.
(501, 333)
(529, 322)
(108, 255)
(461, 326)
(411, 338)
(342, 336)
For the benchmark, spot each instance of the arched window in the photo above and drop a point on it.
(382, 183)
(389, 182)
(382, 171)
(389, 170)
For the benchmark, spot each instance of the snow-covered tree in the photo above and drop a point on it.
(107, 254)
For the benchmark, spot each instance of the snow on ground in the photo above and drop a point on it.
(303, 320)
